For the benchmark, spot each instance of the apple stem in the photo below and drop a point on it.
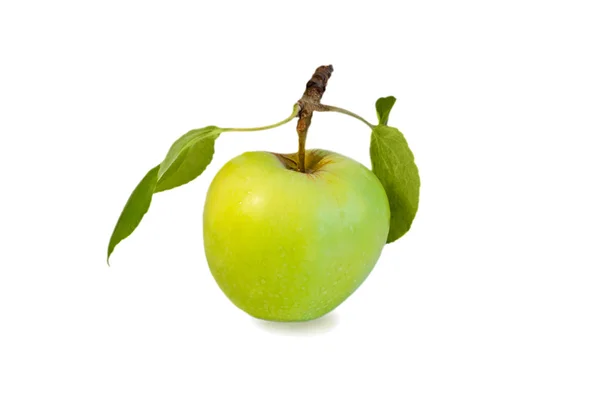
(310, 102)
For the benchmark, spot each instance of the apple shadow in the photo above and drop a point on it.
(315, 327)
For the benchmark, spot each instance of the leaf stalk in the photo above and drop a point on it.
(294, 114)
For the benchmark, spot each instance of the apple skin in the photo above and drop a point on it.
(291, 246)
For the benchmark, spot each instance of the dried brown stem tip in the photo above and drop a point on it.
(316, 86)
(309, 102)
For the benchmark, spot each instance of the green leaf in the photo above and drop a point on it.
(393, 163)
(384, 106)
(137, 205)
(187, 158)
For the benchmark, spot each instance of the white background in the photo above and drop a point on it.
(494, 293)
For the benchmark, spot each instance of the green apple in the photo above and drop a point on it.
(290, 246)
